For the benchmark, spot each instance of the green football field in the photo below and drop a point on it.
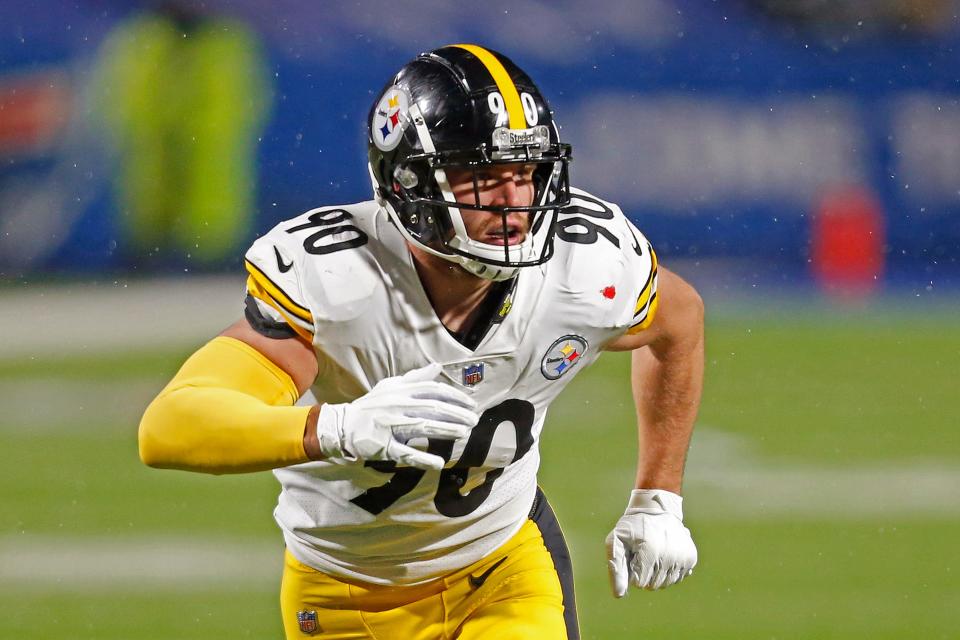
(823, 491)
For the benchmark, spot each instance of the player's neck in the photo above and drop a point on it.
(455, 293)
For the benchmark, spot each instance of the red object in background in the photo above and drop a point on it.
(847, 239)
(34, 109)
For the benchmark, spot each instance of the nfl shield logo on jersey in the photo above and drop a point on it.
(562, 356)
(473, 374)
(308, 622)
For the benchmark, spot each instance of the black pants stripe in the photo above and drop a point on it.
(545, 519)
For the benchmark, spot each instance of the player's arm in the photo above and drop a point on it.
(229, 408)
(667, 381)
(228, 411)
(650, 547)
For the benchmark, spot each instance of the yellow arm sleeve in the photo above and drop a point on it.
(228, 410)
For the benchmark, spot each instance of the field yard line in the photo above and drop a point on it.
(105, 563)
(48, 404)
(726, 477)
(89, 319)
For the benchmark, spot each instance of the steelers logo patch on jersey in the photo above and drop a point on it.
(563, 355)
(390, 118)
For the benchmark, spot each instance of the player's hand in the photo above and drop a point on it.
(650, 548)
(377, 425)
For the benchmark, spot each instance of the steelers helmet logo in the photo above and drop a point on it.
(390, 118)
(563, 355)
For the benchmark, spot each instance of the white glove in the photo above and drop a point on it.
(650, 547)
(377, 425)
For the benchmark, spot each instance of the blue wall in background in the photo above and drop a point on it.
(715, 128)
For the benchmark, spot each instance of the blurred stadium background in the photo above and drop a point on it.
(798, 160)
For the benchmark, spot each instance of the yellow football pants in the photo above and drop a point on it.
(520, 598)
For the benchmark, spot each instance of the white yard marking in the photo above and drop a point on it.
(726, 477)
(104, 563)
(75, 319)
(49, 404)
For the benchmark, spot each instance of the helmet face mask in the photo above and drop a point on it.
(438, 118)
(431, 203)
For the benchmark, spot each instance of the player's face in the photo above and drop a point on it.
(499, 186)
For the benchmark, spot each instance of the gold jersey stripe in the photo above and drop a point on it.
(277, 293)
(508, 90)
(254, 289)
(648, 286)
(645, 294)
(651, 312)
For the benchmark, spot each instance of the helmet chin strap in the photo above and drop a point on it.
(489, 271)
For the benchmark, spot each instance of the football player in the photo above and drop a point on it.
(434, 326)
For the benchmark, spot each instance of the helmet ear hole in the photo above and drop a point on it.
(406, 177)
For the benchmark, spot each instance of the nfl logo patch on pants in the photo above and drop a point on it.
(307, 620)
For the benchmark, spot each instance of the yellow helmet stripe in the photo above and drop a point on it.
(511, 97)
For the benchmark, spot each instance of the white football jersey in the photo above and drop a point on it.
(343, 277)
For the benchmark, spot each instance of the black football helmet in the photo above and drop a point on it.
(466, 108)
